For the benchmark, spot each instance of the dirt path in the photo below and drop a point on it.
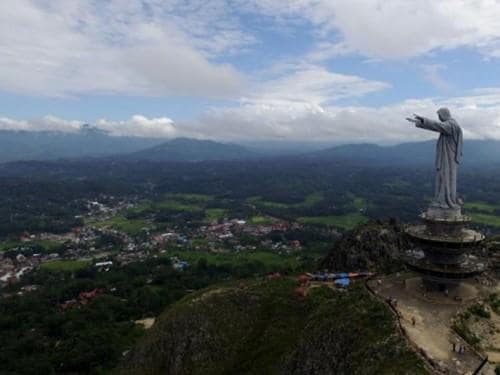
(427, 325)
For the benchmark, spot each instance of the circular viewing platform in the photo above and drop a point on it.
(450, 220)
(468, 268)
(463, 237)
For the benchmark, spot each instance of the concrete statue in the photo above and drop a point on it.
(448, 156)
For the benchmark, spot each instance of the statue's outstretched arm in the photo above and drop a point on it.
(437, 126)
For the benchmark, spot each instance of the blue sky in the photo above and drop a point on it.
(298, 70)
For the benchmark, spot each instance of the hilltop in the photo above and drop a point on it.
(264, 327)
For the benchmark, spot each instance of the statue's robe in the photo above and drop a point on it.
(448, 156)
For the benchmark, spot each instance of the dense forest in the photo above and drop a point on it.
(50, 196)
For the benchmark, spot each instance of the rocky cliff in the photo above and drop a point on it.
(374, 246)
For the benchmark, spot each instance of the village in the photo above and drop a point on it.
(97, 244)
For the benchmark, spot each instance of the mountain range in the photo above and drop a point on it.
(90, 142)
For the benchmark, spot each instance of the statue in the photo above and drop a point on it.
(448, 156)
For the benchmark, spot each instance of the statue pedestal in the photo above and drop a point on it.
(442, 248)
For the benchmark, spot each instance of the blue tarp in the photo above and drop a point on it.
(343, 282)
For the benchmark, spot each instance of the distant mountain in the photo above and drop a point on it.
(186, 149)
(475, 152)
(45, 145)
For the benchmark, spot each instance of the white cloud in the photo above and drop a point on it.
(397, 28)
(141, 126)
(478, 113)
(138, 126)
(47, 123)
(307, 83)
(60, 48)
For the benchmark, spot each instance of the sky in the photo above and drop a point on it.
(250, 70)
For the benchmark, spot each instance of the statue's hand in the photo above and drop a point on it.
(419, 118)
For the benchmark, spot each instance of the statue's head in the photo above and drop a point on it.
(444, 114)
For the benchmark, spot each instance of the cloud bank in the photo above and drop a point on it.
(479, 115)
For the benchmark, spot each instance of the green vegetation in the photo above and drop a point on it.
(480, 310)
(260, 220)
(6, 245)
(494, 301)
(346, 222)
(215, 213)
(309, 201)
(359, 203)
(264, 259)
(481, 207)
(66, 265)
(141, 208)
(263, 327)
(490, 220)
(461, 328)
(484, 213)
(195, 198)
(121, 223)
(45, 245)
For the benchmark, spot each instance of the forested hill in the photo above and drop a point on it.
(263, 327)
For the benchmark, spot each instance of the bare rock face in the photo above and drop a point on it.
(374, 246)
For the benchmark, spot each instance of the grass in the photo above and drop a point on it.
(179, 206)
(359, 203)
(260, 220)
(193, 198)
(142, 207)
(271, 260)
(66, 265)
(490, 220)
(47, 245)
(483, 213)
(6, 245)
(123, 224)
(481, 207)
(309, 201)
(215, 213)
(397, 183)
(346, 222)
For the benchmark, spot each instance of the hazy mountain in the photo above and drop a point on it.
(475, 151)
(185, 149)
(26, 145)
(93, 142)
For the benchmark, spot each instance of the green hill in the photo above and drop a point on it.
(263, 327)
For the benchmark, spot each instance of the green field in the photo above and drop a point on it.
(260, 220)
(483, 213)
(142, 207)
(215, 213)
(481, 207)
(271, 260)
(47, 245)
(486, 219)
(194, 198)
(123, 224)
(66, 265)
(309, 201)
(346, 222)
(179, 206)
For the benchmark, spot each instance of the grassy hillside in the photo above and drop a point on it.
(264, 328)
